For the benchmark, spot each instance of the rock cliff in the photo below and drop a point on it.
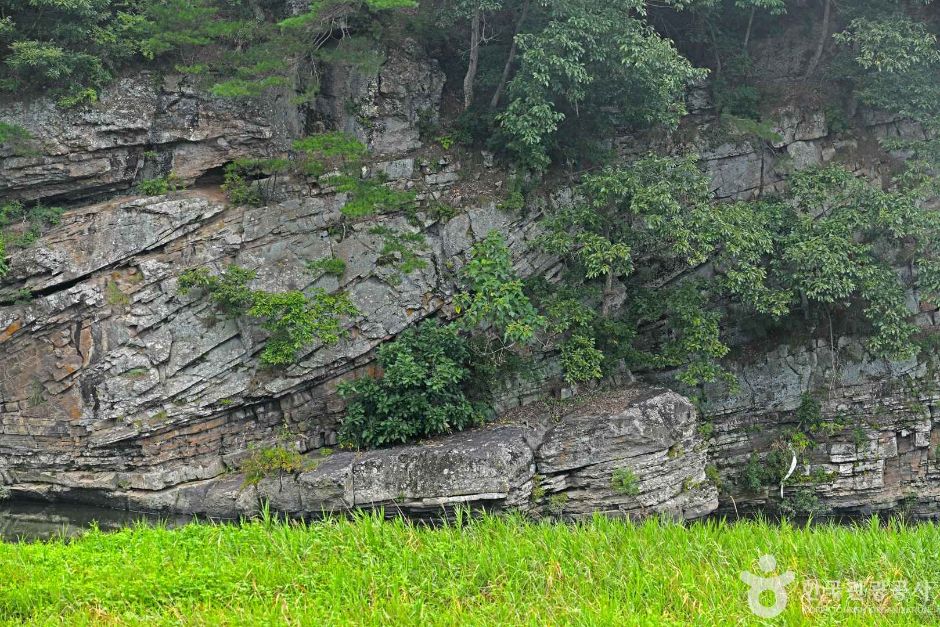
(115, 389)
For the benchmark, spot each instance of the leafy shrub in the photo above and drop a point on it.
(114, 296)
(713, 476)
(270, 461)
(494, 296)
(401, 249)
(768, 470)
(293, 318)
(237, 186)
(514, 201)
(557, 503)
(240, 175)
(16, 138)
(23, 296)
(78, 96)
(446, 141)
(751, 127)
(742, 101)
(803, 502)
(21, 225)
(369, 197)
(330, 150)
(153, 187)
(809, 414)
(837, 121)
(362, 53)
(296, 320)
(228, 291)
(420, 393)
(828, 246)
(160, 185)
(581, 360)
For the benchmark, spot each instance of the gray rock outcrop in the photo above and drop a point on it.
(542, 459)
(142, 127)
(875, 447)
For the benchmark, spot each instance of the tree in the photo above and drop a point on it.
(73, 47)
(774, 7)
(592, 62)
(829, 248)
(67, 46)
(622, 210)
(896, 68)
(511, 57)
(493, 300)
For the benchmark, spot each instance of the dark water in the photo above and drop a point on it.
(30, 521)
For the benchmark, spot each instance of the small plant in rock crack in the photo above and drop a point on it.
(269, 461)
(557, 503)
(400, 250)
(160, 185)
(333, 266)
(624, 481)
(37, 395)
(538, 490)
(22, 225)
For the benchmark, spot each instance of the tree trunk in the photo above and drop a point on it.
(474, 59)
(823, 37)
(608, 293)
(494, 102)
(711, 33)
(747, 33)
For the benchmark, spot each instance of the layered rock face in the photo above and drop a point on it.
(875, 448)
(386, 110)
(548, 460)
(142, 127)
(115, 389)
(111, 381)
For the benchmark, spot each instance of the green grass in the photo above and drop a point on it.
(493, 571)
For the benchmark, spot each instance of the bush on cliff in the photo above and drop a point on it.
(293, 319)
(430, 372)
(826, 249)
(422, 390)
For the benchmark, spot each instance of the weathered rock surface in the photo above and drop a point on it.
(146, 126)
(384, 110)
(532, 461)
(109, 377)
(142, 127)
(875, 450)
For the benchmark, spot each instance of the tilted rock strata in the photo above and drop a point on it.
(540, 463)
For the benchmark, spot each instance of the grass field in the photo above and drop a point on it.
(488, 571)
